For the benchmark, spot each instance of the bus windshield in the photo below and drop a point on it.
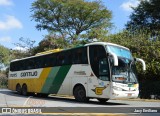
(125, 72)
(119, 51)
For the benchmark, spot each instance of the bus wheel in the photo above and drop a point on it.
(18, 89)
(80, 94)
(24, 89)
(101, 100)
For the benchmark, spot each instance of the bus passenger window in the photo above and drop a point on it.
(30, 64)
(80, 56)
(51, 60)
(13, 66)
(60, 59)
(68, 58)
(22, 63)
(84, 56)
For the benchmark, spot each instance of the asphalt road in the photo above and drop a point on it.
(69, 105)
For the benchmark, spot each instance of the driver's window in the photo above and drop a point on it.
(99, 61)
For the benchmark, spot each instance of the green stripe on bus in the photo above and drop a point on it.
(57, 82)
(50, 79)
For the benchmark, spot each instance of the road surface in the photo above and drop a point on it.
(69, 105)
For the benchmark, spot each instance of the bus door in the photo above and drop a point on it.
(99, 81)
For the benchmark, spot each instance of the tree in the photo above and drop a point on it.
(4, 56)
(70, 17)
(146, 16)
(50, 42)
(25, 46)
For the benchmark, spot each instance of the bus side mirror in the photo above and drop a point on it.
(115, 58)
(142, 61)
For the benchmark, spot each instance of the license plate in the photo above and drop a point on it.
(129, 94)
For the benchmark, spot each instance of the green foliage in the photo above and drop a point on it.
(50, 42)
(27, 45)
(146, 16)
(4, 56)
(144, 33)
(98, 33)
(17, 54)
(70, 17)
(3, 79)
(148, 88)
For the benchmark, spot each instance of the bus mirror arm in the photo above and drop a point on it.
(143, 63)
(115, 58)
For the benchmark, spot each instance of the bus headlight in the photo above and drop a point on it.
(117, 88)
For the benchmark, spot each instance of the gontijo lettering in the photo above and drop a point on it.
(26, 74)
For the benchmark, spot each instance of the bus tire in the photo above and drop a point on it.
(24, 90)
(102, 100)
(80, 94)
(19, 89)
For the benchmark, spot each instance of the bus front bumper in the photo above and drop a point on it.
(124, 94)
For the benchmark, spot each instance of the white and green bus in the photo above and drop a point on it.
(97, 70)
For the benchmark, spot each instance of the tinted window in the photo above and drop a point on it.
(30, 64)
(80, 56)
(39, 62)
(60, 59)
(13, 66)
(99, 61)
(68, 57)
(50, 60)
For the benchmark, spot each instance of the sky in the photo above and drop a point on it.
(16, 21)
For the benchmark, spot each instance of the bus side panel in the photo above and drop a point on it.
(38, 83)
(55, 79)
(48, 83)
(63, 81)
(33, 84)
(11, 84)
(97, 88)
(79, 75)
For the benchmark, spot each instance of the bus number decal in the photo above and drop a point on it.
(98, 90)
(13, 75)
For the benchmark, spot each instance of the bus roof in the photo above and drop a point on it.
(59, 50)
(45, 53)
(105, 43)
(49, 51)
(40, 54)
